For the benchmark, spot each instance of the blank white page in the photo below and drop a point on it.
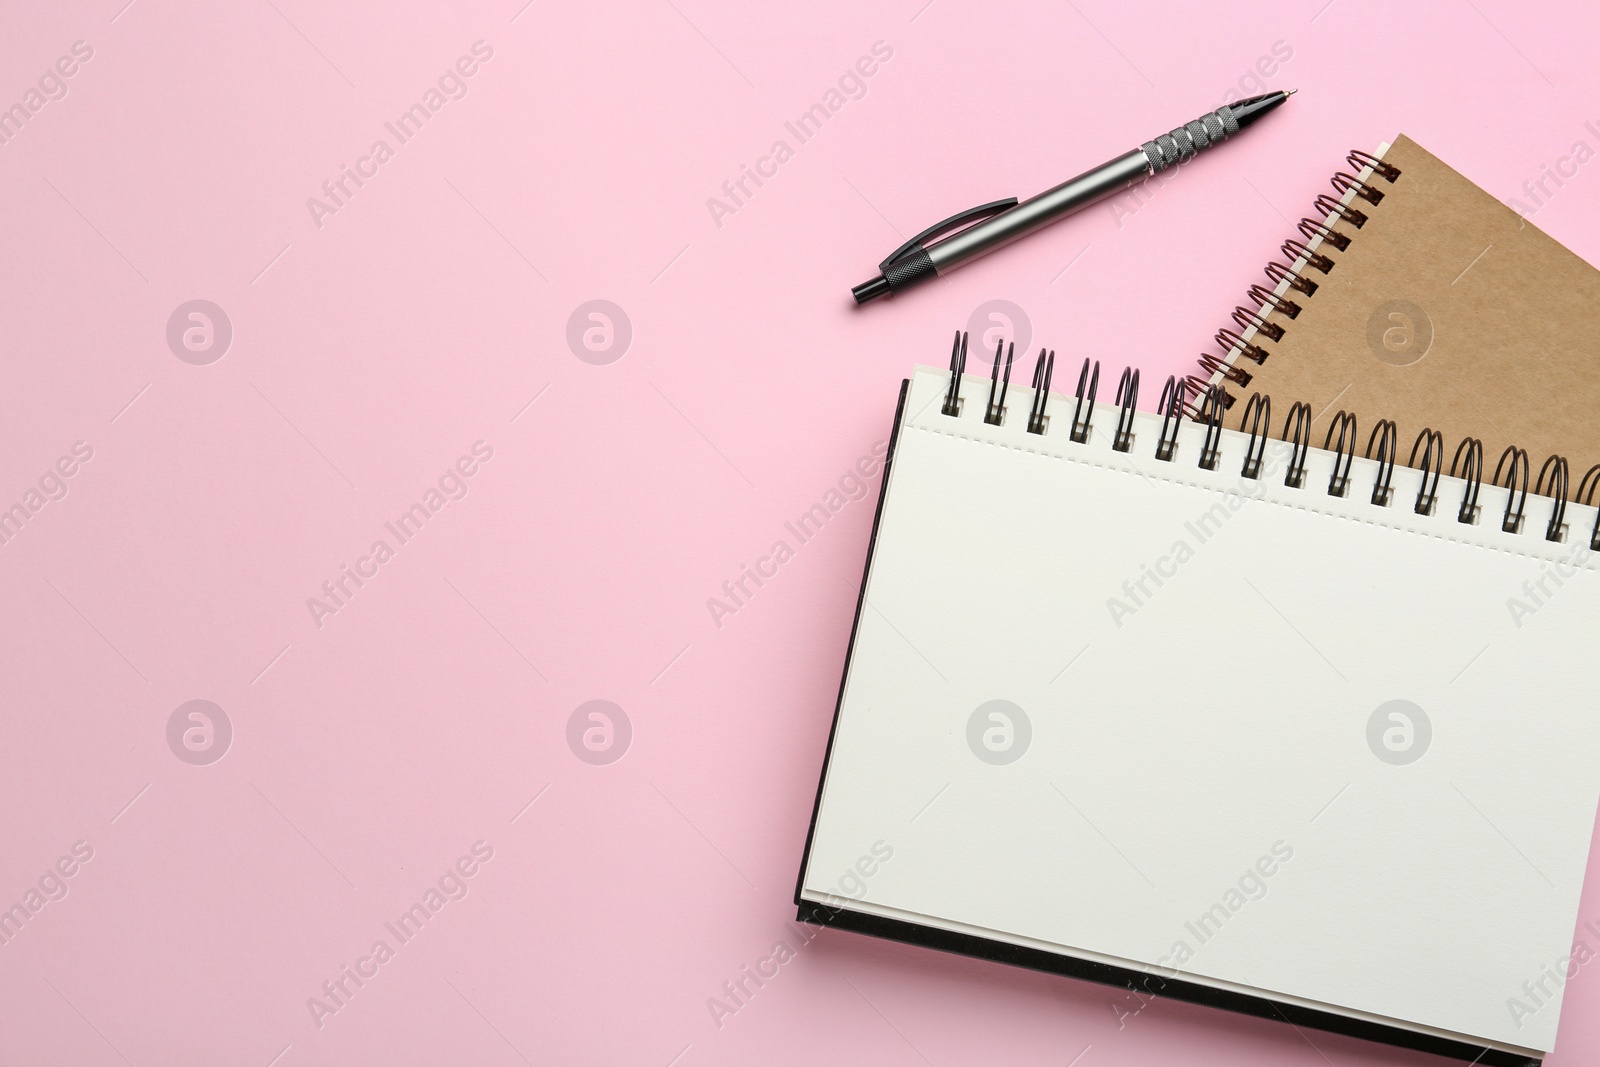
(1187, 729)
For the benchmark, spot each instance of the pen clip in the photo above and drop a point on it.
(982, 211)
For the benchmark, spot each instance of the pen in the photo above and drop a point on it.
(1003, 221)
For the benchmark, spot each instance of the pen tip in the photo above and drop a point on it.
(1291, 92)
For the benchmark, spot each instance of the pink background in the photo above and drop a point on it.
(371, 351)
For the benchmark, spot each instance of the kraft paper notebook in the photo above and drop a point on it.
(1412, 294)
(1283, 744)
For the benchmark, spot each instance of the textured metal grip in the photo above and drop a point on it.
(1181, 144)
(909, 270)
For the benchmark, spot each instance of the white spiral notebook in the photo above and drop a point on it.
(1196, 734)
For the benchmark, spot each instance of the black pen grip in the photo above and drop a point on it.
(913, 268)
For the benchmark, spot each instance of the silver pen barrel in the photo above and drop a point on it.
(1075, 194)
(1004, 221)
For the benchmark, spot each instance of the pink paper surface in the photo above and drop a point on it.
(627, 466)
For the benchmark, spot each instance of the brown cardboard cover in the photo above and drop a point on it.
(1514, 318)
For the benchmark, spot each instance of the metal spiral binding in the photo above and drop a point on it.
(1210, 415)
(1298, 282)
(1205, 404)
(1556, 468)
(1266, 298)
(1321, 232)
(994, 414)
(1469, 454)
(1432, 462)
(1360, 160)
(1230, 372)
(1171, 408)
(1344, 183)
(1300, 419)
(1257, 423)
(1318, 235)
(1296, 251)
(1334, 205)
(1128, 397)
(958, 366)
(1230, 341)
(1512, 523)
(1199, 388)
(1383, 435)
(1042, 370)
(1586, 490)
(1345, 423)
(1080, 431)
(1272, 306)
(1254, 320)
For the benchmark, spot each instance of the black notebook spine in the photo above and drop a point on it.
(1146, 984)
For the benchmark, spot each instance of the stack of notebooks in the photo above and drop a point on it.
(1248, 701)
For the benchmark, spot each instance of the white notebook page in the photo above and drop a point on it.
(1199, 659)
